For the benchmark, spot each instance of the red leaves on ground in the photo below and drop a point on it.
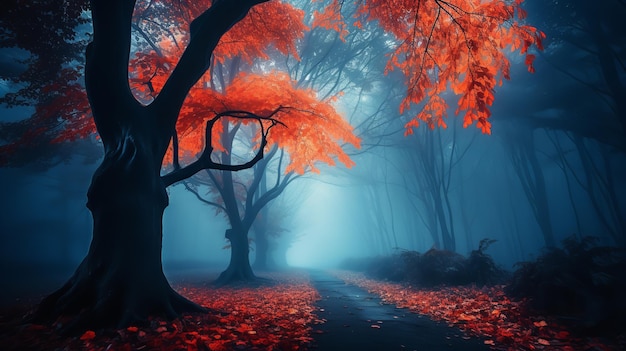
(88, 335)
(273, 317)
(486, 312)
(266, 318)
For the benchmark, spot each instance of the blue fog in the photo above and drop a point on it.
(553, 167)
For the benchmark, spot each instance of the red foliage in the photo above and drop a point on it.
(441, 45)
(486, 312)
(312, 129)
(276, 317)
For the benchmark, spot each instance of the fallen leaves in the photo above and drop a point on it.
(88, 335)
(276, 317)
(484, 312)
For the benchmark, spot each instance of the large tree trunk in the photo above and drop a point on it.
(121, 280)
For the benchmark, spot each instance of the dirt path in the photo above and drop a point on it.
(357, 320)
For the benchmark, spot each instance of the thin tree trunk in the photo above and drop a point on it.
(262, 248)
(530, 174)
(239, 268)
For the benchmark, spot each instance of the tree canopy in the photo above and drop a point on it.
(457, 46)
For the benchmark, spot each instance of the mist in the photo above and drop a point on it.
(349, 175)
(375, 208)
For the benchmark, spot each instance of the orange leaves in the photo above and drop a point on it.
(529, 62)
(458, 43)
(277, 317)
(486, 312)
(330, 18)
(272, 24)
(88, 335)
(280, 320)
(313, 130)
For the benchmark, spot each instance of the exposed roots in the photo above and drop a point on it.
(243, 277)
(234, 275)
(110, 301)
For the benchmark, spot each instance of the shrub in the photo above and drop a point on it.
(582, 283)
(432, 268)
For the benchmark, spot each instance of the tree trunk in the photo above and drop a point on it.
(239, 268)
(528, 170)
(542, 208)
(121, 280)
(447, 237)
(262, 247)
(609, 61)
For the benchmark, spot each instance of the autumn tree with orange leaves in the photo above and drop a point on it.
(310, 130)
(457, 45)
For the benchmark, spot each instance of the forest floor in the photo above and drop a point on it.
(315, 310)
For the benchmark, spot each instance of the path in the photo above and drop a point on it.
(350, 313)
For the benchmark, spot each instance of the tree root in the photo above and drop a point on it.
(88, 302)
(235, 275)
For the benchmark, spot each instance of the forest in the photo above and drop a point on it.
(313, 175)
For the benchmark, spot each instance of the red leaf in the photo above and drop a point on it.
(88, 335)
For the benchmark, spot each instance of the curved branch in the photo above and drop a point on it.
(206, 31)
(205, 161)
(259, 171)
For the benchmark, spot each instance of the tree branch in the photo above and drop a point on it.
(206, 31)
(210, 203)
(205, 161)
(259, 171)
(106, 66)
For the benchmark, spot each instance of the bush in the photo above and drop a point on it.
(582, 283)
(439, 267)
(380, 267)
(481, 269)
(434, 267)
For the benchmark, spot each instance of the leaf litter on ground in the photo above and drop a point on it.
(275, 316)
(487, 312)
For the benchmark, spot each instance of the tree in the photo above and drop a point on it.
(432, 166)
(456, 44)
(121, 281)
(586, 57)
(310, 132)
(436, 44)
(522, 150)
(585, 135)
(272, 233)
(231, 85)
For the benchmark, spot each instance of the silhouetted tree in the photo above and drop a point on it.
(121, 280)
